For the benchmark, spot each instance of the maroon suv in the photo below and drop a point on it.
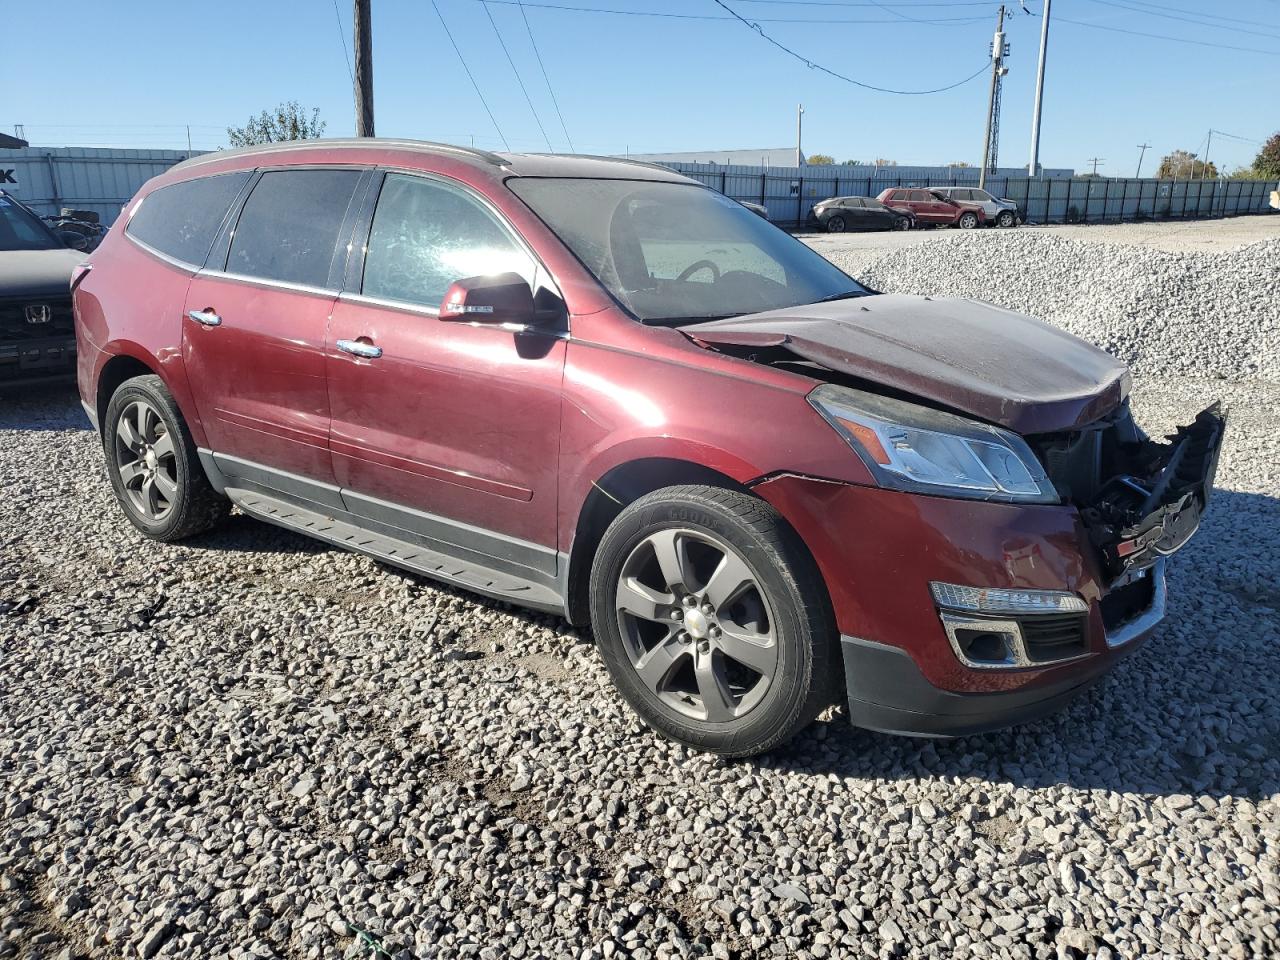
(598, 388)
(931, 207)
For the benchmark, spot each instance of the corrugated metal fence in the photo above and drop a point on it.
(84, 178)
(790, 196)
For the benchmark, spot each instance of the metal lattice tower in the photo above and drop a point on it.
(991, 136)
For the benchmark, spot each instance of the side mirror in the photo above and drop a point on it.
(74, 240)
(503, 298)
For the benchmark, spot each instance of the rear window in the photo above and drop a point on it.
(288, 229)
(182, 219)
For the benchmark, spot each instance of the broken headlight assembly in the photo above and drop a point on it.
(921, 450)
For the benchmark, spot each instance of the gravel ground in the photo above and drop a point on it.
(251, 745)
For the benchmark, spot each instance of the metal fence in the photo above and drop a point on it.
(83, 178)
(789, 199)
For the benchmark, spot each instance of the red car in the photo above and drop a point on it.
(931, 207)
(598, 388)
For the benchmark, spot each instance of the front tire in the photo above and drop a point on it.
(968, 221)
(713, 620)
(153, 465)
(902, 224)
(1006, 218)
(836, 225)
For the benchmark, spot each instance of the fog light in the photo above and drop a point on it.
(1001, 600)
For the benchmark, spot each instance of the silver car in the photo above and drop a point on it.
(999, 211)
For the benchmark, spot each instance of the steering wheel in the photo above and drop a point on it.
(700, 265)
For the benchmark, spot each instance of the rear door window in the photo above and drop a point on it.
(427, 234)
(182, 219)
(288, 229)
(920, 196)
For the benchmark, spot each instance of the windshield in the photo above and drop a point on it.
(20, 230)
(673, 253)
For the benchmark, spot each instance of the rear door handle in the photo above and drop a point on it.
(359, 348)
(206, 317)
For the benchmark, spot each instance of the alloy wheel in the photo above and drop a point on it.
(696, 624)
(145, 461)
(836, 225)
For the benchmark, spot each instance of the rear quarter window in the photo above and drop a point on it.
(182, 219)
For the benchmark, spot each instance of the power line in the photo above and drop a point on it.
(1161, 36)
(543, 67)
(871, 3)
(1192, 19)
(1095, 161)
(705, 16)
(467, 70)
(519, 80)
(839, 76)
(342, 35)
(1187, 16)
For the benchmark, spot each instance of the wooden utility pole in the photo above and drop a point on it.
(1143, 147)
(364, 69)
(991, 136)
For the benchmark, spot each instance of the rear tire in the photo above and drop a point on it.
(902, 224)
(713, 620)
(968, 221)
(153, 465)
(836, 225)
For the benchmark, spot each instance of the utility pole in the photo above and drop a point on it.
(991, 137)
(799, 126)
(1204, 168)
(1034, 166)
(1143, 147)
(363, 29)
(1095, 161)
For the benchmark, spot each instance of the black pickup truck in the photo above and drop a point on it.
(37, 336)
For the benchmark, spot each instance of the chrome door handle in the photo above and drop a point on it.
(356, 348)
(206, 317)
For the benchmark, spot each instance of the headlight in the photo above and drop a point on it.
(922, 450)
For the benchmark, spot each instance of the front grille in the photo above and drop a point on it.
(15, 327)
(1053, 637)
(1123, 604)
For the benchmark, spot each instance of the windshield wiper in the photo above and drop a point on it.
(847, 295)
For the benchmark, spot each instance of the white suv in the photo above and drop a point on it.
(999, 211)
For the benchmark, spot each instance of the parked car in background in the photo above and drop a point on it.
(757, 208)
(607, 391)
(997, 210)
(37, 336)
(931, 208)
(859, 213)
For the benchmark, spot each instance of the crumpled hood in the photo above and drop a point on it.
(975, 358)
(37, 273)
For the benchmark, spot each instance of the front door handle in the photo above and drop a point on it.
(360, 348)
(206, 317)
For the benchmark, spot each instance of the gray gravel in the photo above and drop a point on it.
(1208, 315)
(253, 746)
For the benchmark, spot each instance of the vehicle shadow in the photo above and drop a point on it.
(1195, 711)
(44, 406)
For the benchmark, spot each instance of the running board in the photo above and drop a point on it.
(397, 552)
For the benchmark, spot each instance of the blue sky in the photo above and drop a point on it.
(648, 83)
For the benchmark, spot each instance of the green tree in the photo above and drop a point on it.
(1267, 163)
(821, 160)
(961, 164)
(288, 121)
(850, 163)
(1183, 165)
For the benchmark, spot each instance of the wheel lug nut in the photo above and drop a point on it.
(715, 631)
(683, 637)
(704, 647)
(707, 608)
(690, 601)
(677, 614)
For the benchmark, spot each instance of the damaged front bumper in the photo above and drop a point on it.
(1152, 510)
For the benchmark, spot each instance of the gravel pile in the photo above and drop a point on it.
(251, 745)
(1210, 315)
